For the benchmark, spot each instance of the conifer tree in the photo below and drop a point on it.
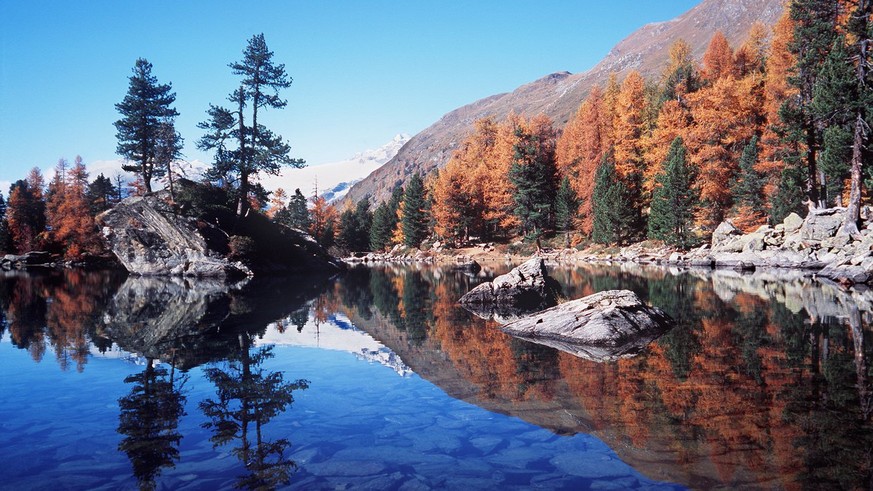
(613, 215)
(354, 227)
(145, 111)
(533, 177)
(101, 195)
(296, 213)
(244, 147)
(789, 195)
(5, 237)
(415, 212)
(674, 200)
(566, 208)
(25, 212)
(385, 221)
(748, 189)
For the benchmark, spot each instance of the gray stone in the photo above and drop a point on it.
(724, 233)
(150, 239)
(821, 224)
(792, 223)
(526, 287)
(600, 327)
(755, 243)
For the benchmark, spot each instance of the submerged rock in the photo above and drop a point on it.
(527, 287)
(601, 327)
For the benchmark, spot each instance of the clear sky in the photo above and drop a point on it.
(363, 70)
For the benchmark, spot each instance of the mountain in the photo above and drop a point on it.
(559, 94)
(335, 179)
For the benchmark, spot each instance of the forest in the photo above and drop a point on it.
(750, 134)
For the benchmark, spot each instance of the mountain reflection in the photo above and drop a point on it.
(763, 383)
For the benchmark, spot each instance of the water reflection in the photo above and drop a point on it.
(765, 381)
(247, 398)
(149, 419)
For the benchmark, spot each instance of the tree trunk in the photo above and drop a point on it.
(853, 210)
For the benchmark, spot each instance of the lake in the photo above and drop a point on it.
(377, 379)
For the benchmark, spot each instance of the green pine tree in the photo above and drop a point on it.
(354, 234)
(789, 196)
(416, 215)
(748, 190)
(674, 200)
(533, 176)
(145, 111)
(385, 221)
(566, 207)
(614, 215)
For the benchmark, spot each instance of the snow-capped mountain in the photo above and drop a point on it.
(335, 179)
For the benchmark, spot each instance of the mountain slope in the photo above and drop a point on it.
(558, 95)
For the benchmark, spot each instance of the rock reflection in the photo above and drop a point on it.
(763, 383)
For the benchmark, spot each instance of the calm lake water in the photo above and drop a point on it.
(378, 380)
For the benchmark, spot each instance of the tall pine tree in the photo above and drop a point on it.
(566, 208)
(674, 200)
(614, 217)
(146, 111)
(748, 189)
(244, 147)
(415, 212)
(533, 177)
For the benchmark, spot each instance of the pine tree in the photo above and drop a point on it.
(789, 196)
(613, 215)
(674, 200)
(296, 213)
(385, 221)
(415, 212)
(256, 149)
(748, 189)
(145, 111)
(354, 227)
(5, 237)
(101, 195)
(25, 212)
(533, 175)
(566, 208)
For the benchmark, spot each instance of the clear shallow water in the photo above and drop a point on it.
(111, 383)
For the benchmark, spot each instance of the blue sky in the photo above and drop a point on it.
(363, 70)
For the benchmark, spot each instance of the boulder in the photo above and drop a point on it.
(822, 224)
(526, 287)
(150, 239)
(724, 233)
(792, 223)
(604, 326)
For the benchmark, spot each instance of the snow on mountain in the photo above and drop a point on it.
(335, 179)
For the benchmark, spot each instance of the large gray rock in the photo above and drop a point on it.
(792, 223)
(603, 326)
(526, 287)
(822, 224)
(148, 238)
(724, 234)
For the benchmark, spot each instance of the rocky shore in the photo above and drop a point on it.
(811, 245)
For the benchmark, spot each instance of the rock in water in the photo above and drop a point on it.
(601, 327)
(150, 239)
(526, 287)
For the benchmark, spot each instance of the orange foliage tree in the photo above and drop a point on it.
(68, 213)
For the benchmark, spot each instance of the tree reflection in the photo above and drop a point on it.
(149, 420)
(248, 397)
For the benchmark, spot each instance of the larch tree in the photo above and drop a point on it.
(323, 221)
(5, 237)
(580, 148)
(243, 146)
(567, 204)
(146, 110)
(674, 200)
